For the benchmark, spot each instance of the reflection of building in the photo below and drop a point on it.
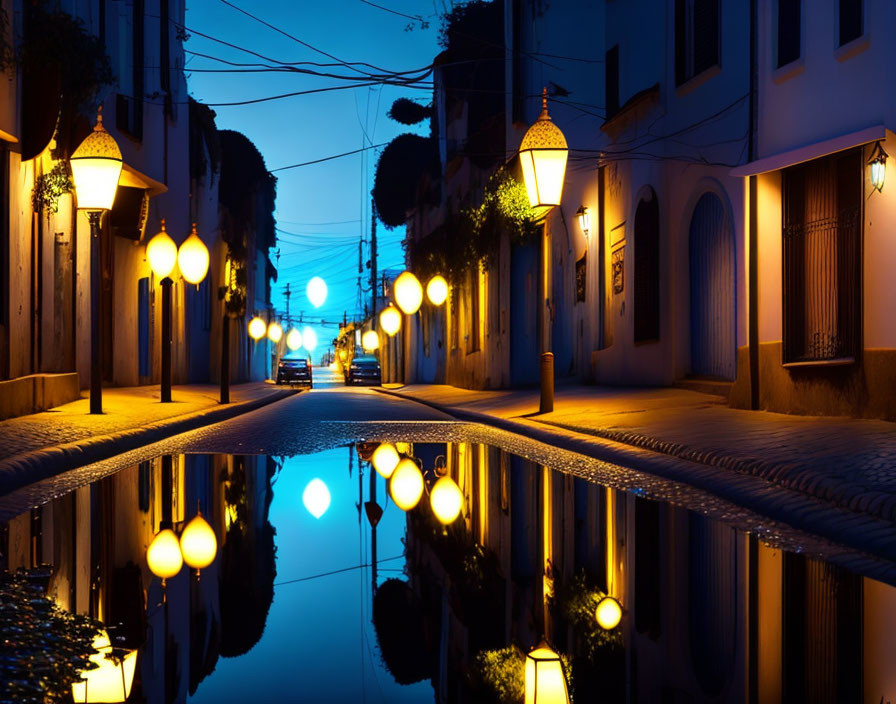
(96, 537)
(710, 614)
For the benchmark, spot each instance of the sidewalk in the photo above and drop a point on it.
(37, 446)
(846, 463)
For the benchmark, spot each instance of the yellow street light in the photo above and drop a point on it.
(446, 500)
(390, 320)
(343, 355)
(584, 219)
(385, 459)
(608, 613)
(545, 679)
(275, 332)
(406, 485)
(96, 167)
(543, 154)
(316, 291)
(161, 252)
(370, 341)
(192, 258)
(309, 339)
(198, 543)
(111, 677)
(294, 339)
(437, 290)
(257, 328)
(408, 292)
(316, 498)
(878, 163)
(163, 556)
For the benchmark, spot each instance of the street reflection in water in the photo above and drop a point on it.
(323, 590)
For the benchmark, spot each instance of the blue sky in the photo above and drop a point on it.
(322, 209)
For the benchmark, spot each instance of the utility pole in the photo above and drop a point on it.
(288, 294)
(373, 260)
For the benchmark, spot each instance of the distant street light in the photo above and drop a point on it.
(309, 339)
(408, 292)
(294, 340)
(437, 290)
(406, 484)
(390, 320)
(446, 500)
(370, 341)
(543, 154)
(316, 498)
(275, 332)
(385, 459)
(257, 328)
(161, 251)
(96, 167)
(316, 291)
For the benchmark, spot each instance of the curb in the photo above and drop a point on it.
(35, 465)
(864, 520)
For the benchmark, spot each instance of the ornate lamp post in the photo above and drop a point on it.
(96, 167)
(543, 154)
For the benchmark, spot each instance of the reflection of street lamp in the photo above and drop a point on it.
(111, 678)
(163, 556)
(96, 167)
(316, 497)
(545, 679)
(385, 459)
(198, 543)
(608, 613)
(446, 500)
(406, 484)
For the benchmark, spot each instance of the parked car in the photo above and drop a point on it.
(364, 369)
(294, 370)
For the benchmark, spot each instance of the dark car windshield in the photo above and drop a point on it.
(296, 361)
(365, 361)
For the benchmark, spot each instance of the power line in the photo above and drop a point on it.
(329, 158)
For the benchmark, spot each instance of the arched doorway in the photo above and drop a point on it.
(712, 280)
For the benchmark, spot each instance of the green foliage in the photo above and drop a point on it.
(44, 648)
(235, 293)
(407, 112)
(499, 674)
(576, 601)
(49, 187)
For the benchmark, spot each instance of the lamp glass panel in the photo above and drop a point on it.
(192, 259)
(96, 182)
(878, 173)
(528, 163)
(550, 171)
(198, 543)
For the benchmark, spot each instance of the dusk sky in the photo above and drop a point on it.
(322, 209)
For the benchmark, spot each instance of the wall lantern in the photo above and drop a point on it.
(406, 485)
(385, 459)
(257, 328)
(408, 292)
(309, 339)
(198, 543)
(275, 332)
(294, 339)
(878, 163)
(543, 154)
(390, 320)
(163, 556)
(608, 613)
(112, 676)
(370, 341)
(584, 219)
(437, 290)
(192, 258)
(545, 679)
(316, 498)
(446, 500)
(316, 290)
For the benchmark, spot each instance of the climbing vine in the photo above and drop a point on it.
(49, 188)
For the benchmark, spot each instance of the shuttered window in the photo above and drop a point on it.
(822, 243)
(647, 271)
(696, 37)
(788, 47)
(850, 20)
(611, 67)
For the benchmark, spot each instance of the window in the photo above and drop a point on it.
(611, 67)
(129, 103)
(788, 47)
(696, 38)
(647, 270)
(850, 20)
(822, 238)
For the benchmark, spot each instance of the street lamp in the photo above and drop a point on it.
(408, 292)
(385, 459)
(316, 497)
(111, 677)
(192, 258)
(584, 218)
(545, 679)
(163, 556)
(96, 167)
(162, 255)
(198, 543)
(390, 320)
(316, 290)
(294, 340)
(878, 163)
(370, 341)
(309, 339)
(446, 500)
(608, 613)
(406, 484)
(543, 154)
(257, 328)
(437, 290)
(275, 332)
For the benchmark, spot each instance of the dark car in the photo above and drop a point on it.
(294, 370)
(364, 369)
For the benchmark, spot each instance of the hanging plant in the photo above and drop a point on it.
(234, 292)
(49, 188)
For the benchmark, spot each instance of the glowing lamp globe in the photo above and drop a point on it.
(408, 292)
(390, 320)
(446, 500)
(161, 253)
(343, 355)
(543, 154)
(111, 677)
(316, 498)
(275, 332)
(370, 341)
(294, 339)
(437, 290)
(385, 459)
(198, 543)
(192, 258)
(608, 613)
(163, 556)
(309, 339)
(406, 485)
(96, 167)
(316, 291)
(545, 679)
(257, 328)
(878, 163)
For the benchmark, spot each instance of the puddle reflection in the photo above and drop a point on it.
(317, 578)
